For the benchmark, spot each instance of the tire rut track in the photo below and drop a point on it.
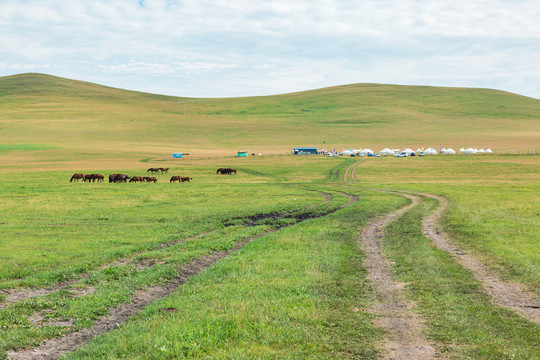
(352, 170)
(505, 294)
(12, 296)
(405, 339)
(57, 347)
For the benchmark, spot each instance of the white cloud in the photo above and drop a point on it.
(23, 67)
(169, 68)
(279, 44)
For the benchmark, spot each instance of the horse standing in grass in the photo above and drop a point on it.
(77, 177)
(136, 178)
(227, 171)
(94, 177)
(114, 178)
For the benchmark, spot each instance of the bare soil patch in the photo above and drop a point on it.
(395, 313)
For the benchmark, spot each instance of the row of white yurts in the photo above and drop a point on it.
(428, 151)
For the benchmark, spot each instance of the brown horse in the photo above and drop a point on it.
(136, 178)
(185, 178)
(176, 178)
(149, 179)
(153, 170)
(227, 171)
(114, 178)
(77, 177)
(163, 170)
(94, 177)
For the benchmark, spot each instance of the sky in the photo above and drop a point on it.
(223, 48)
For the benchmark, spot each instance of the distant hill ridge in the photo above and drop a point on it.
(77, 115)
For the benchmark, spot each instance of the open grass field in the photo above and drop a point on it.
(63, 121)
(266, 263)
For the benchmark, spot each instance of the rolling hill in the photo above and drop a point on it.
(47, 118)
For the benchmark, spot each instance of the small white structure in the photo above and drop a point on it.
(347, 153)
(489, 151)
(462, 150)
(482, 151)
(366, 152)
(408, 151)
(450, 151)
(470, 151)
(386, 151)
(430, 151)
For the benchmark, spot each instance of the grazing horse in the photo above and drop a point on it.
(77, 177)
(114, 178)
(188, 179)
(121, 178)
(136, 178)
(153, 170)
(149, 179)
(176, 178)
(94, 177)
(163, 170)
(227, 171)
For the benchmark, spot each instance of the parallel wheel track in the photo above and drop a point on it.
(57, 347)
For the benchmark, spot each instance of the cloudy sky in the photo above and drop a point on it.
(221, 48)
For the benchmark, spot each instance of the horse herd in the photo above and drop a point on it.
(227, 171)
(123, 178)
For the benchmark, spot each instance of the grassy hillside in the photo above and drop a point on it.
(61, 121)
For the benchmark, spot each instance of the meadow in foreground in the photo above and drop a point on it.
(300, 292)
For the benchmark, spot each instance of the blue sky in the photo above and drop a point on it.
(221, 48)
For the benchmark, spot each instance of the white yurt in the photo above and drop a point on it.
(347, 153)
(462, 150)
(430, 151)
(386, 151)
(450, 151)
(470, 151)
(366, 151)
(408, 151)
(482, 151)
(489, 151)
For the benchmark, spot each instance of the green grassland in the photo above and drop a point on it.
(72, 116)
(299, 292)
